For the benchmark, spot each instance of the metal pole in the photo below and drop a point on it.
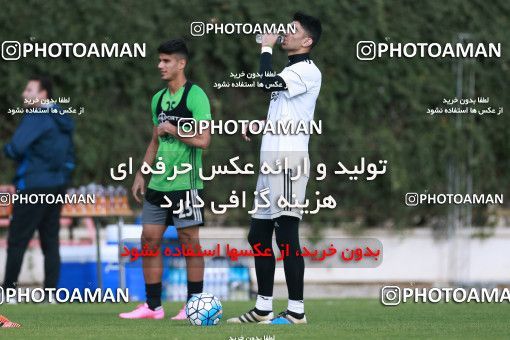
(122, 276)
(99, 263)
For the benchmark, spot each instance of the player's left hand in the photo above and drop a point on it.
(166, 128)
(269, 39)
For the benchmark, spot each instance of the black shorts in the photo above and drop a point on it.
(153, 213)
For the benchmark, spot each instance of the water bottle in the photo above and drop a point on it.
(279, 40)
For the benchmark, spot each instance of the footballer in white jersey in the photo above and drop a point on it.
(295, 104)
(293, 95)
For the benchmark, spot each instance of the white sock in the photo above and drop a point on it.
(264, 303)
(296, 306)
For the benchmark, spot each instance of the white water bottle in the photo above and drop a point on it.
(279, 40)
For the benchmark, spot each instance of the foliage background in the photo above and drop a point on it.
(375, 110)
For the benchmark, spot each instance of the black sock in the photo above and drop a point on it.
(195, 288)
(287, 233)
(296, 315)
(153, 294)
(261, 231)
(261, 312)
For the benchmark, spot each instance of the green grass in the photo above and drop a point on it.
(327, 319)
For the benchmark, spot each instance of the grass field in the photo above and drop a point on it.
(328, 319)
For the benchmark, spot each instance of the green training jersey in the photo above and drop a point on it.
(173, 151)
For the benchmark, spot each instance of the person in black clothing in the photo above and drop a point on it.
(42, 147)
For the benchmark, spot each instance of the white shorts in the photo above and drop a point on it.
(280, 185)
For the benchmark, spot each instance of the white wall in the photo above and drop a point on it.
(409, 257)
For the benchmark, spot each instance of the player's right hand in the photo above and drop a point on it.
(11, 189)
(245, 134)
(138, 186)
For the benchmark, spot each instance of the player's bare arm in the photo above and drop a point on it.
(150, 156)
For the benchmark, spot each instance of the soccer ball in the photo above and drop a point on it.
(204, 310)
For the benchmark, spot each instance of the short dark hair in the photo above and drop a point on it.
(311, 25)
(177, 46)
(45, 83)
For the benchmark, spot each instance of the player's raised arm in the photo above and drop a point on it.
(269, 79)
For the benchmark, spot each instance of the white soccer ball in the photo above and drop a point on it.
(204, 310)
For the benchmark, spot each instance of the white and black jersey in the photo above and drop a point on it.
(294, 103)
